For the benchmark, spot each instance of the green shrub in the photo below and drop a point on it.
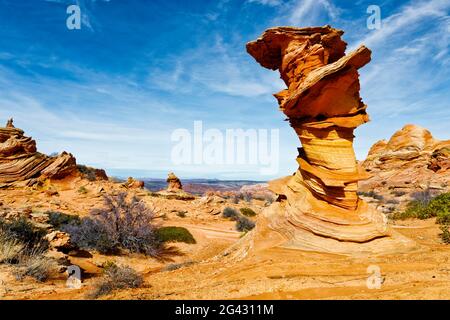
(247, 212)
(175, 234)
(82, 190)
(181, 214)
(244, 224)
(371, 194)
(230, 213)
(24, 232)
(445, 235)
(116, 277)
(59, 219)
(423, 208)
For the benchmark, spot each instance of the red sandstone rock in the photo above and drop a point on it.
(173, 183)
(20, 161)
(412, 159)
(318, 207)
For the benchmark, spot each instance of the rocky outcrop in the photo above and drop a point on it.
(132, 183)
(20, 161)
(318, 207)
(411, 160)
(173, 183)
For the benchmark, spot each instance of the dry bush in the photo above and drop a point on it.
(116, 278)
(121, 224)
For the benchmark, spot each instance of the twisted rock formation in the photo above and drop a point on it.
(411, 160)
(318, 207)
(20, 161)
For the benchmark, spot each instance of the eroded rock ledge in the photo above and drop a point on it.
(21, 164)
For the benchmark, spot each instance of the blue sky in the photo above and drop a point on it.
(113, 92)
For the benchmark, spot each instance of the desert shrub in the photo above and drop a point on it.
(35, 264)
(116, 277)
(24, 232)
(445, 235)
(175, 234)
(424, 197)
(181, 214)
(398, 193)
(82, 190)
(121, 224)
(230, 213)
(87, 172)
(176, 266)
(371, 194)
(247, 212)
(10, 248)
(244, 224)
(59, 219)
(392, 201)
(423, 208)
(247, 196)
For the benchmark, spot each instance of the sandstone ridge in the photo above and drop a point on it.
(21, 164)
(411, 160)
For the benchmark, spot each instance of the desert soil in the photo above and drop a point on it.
(205, 273)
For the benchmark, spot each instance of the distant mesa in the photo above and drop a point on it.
(412, 159)
(318, 208)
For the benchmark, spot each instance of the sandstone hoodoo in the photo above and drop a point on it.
(411, 160)
(318, 207)
(173, 183)
(20, 163)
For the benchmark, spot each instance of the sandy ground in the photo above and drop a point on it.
(275, 273)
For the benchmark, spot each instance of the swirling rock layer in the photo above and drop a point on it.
(318, 207)
(20, 161)
(409, 161)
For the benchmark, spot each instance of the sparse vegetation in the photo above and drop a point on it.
(181, 214)
(82, 190)
(230, 213)
(398, 193)
(175, 234)
(121, 224)
(87, 172)
(59, 219)
(35, 264)
(244, 224)
(247, 212)
(116, 277)
(392, 201)
(176, 266)
(425, 206)
(445, 235)
(22, 246)
(371, 194)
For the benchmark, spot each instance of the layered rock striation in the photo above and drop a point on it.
(412, 159)
(318, 207)
(21, 163)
